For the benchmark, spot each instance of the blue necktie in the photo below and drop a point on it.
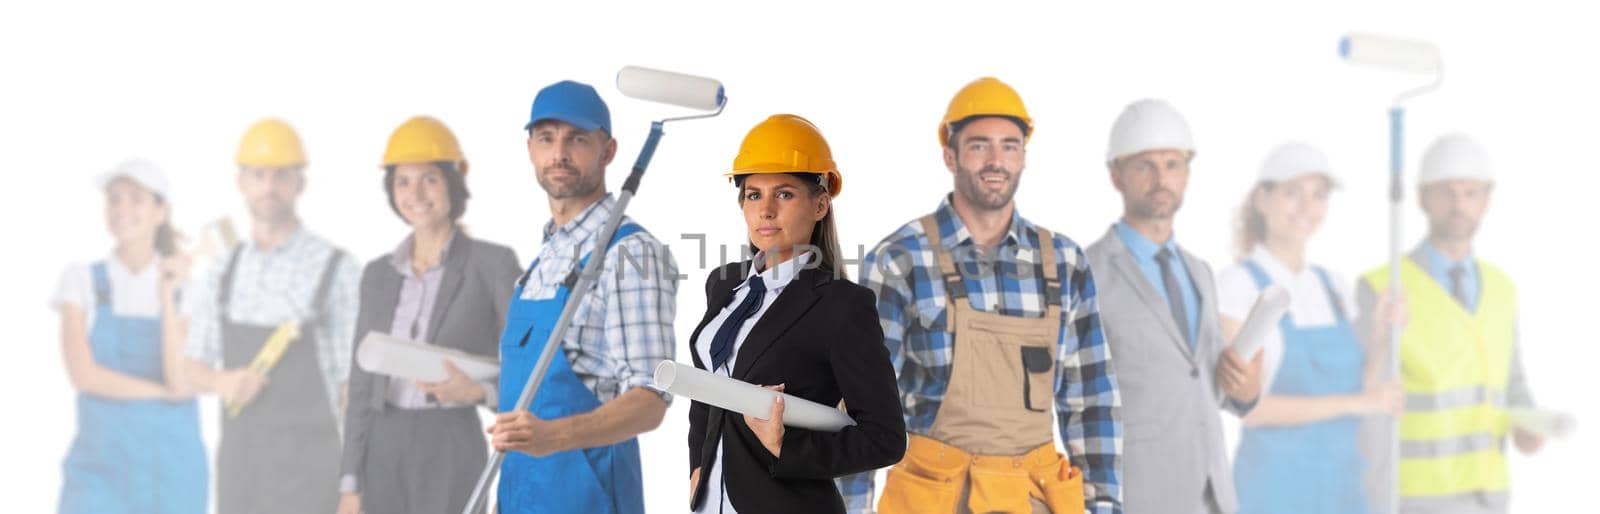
(1175, 303)
(722, 344)
(1457, 290)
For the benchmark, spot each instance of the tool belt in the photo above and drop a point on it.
(933, 475)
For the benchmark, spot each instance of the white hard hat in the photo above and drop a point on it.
(1454, 156)
(141, 172)
(1148, 124)
(1296, 158)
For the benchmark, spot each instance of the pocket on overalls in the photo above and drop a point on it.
(1061, 486)
(920, 485)
(992, 364)
(1037, 387)
(1000, 490)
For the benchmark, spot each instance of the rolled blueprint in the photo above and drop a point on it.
(1544, 423)
(1264, 314)
(388, 355)
(745, 398)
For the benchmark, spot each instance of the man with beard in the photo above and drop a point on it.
(280, 442)
(1459, 349)
(1160, 314)
(574, 448)
(993, 327)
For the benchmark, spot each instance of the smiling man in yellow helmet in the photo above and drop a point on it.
(1459, 351)
(992, 325)
(280, 436)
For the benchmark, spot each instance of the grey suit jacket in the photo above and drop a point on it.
(1173, 447)
(468, 315)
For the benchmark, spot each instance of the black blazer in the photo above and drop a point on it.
(468, 313)
(821, 337)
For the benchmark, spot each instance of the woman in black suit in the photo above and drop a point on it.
(789, 319)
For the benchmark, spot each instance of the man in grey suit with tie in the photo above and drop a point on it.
(1158, 309)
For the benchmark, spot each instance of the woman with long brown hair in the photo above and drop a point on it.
(789, 319)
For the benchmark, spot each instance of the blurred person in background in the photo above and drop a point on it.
(279, 450)
(1298, 451)
(417, 447)
(1459, 351)
(138, 446)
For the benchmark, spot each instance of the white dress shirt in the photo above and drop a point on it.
(775, 278)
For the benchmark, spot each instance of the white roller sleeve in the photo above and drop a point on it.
(1390, 53)
(670, 88)
(388, 355)
(745, 398)
(1544, 423)
(1264, 315)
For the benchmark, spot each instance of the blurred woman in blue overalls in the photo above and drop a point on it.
(1298, 451)
(138, 446)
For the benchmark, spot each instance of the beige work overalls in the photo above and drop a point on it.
(991, 442)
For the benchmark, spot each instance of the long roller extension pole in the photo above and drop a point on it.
(1396, 196)
(1407, 56)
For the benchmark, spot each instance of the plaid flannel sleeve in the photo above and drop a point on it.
(1087, 404)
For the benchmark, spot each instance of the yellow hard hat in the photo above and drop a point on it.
(987, 96)
(270, 143)
(423, 139)
(785, 143)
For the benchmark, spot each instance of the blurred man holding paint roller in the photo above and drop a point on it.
(574, 448)
(270, 332)
(1459, 350)
(993, 351)
(1159, 306)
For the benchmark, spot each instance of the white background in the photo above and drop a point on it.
(85, 86)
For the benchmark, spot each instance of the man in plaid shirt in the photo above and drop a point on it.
(575, 448)
(990, 321)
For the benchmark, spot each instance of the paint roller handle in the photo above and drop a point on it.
(645, 154)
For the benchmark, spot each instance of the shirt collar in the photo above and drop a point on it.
(776, 277)
(586, 223)
(1440, 264)
(959, 235)
(1142, 247)
(294, 239)
(401, 256)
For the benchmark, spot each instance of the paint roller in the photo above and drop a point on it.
(1414, 57)
(677, 89)
(670, 88)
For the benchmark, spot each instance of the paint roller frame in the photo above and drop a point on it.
(591, 271)
(1409, 56)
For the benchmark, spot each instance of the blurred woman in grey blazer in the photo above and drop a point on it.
(416, 447)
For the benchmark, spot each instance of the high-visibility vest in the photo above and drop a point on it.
(1454, 365)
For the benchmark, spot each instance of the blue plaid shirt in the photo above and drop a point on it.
(911, 307)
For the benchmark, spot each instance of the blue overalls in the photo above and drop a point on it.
(1313, 468)
(603, 480)
(132, 456)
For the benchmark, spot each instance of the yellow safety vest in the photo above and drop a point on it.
(1454, 365)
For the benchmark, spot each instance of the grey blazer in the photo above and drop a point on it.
(1172, 448)
(468, 315)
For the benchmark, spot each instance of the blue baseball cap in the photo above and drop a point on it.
(572, 102)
